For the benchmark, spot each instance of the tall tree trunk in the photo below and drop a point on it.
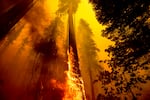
(72, 43)
(73, 49)
(92, 87)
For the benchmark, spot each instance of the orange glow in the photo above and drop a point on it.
(57, 84)
(71, 88)
(33, 25)
(86, 11)
(73, 91)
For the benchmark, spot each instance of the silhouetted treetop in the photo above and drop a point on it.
(120, 11)
(128, 25)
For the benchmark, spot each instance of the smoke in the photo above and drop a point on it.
(45, 30)
(38, 17)
(88, 58)
(53, 63)
(64, 5)
(40, 48)
(87, 43)
(48, 42)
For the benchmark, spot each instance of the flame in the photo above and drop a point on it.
(73, 90)
(57, 84)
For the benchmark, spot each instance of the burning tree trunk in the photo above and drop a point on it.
(74, 55)
(72, 44)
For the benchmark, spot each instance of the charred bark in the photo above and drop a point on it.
(73, 49)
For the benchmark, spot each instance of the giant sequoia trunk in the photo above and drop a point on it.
(73, 49)
(72, 43)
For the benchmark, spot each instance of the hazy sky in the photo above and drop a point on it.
(86, 12)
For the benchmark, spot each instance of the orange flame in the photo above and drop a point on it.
(73, 91)
(72, 87)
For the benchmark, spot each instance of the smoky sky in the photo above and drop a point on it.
(29, 57)
(64, 5)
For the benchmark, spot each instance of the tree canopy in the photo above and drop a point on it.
(128, 25)
(64, 5)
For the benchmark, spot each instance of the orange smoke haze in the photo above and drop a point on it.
(18, 56)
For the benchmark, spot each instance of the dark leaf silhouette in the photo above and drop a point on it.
(128, 26)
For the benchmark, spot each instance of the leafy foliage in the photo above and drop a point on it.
(128, 24)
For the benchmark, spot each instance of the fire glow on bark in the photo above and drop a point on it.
(74, 81)
(75, 88)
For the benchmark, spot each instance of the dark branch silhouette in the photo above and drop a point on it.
(128, 26)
